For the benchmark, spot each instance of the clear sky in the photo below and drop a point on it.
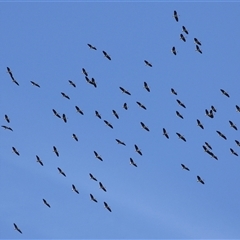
(47, 43)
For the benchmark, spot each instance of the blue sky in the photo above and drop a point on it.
(47, 43)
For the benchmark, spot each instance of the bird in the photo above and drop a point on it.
(125, 106)
(120, 142)
(108, 124)
(88, 80)
(200, 180)
(64, 118)
(233, 125)
(102, 187)
(165, 133)
(11, 75)
(7, 118)
(15, 151)
(35, 84)
(175, 15)
(198, 49)
(61, 171)
(173, 91)
(237, 142)
(205, 148)
(6, 127)
(125, 91)
(93, 82)
(91, 46)
(97, 114)
(174, 51)
(148, 63)
(138, 150)
(75, 137)
(92, 177)
(179, 115)
(97, 156)
(107, 207)
(181, 137)
(15, 81)
(213, 108)
(141, 105)
(84, 72)
(199, 124)
(56, 113)
(146, 86)
(238, 108)
(79, 110)
(197, 42)
(182, 37)
(233, 152)
(56, 151)
(17, 228)
(144, 126)
(221, 135)
(184, 167)
(184, 30)
(64, 95)
(209, 113)
(74, 189)
(181, 104)
(132, 162)
(208, 145)
(106, 55)
(92, 198)
(46, 203)
(39, 160)
(224, 93)
(72, 83)
(115, 114)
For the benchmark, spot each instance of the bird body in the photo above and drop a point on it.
(174, 51)
(46, 203)
(233, 152)
(79, 110)
(97, 114)
(108, 124)
(180, 103)
(15, 151)
(61, 171)
(132, 162)
(92, 177)
(224, 93)
(64, 118)
(65, 95)
(198, 49)
(184, 167)
(97, 156)
(146, 86)
(184, 30)
(138, 150)
(72, 83)
(125, 91)
(17, 228)
(55, 150)
(233, 125)
(141, 105)
(120, 142)
(173, 91)
(106, 55)
(125, 106)
(92, 198)
(148, 63)
(75, 189)
(39, 160)
(102, 187)
(91, 46)
(144, 126)
(56, 113)
(200, 180)
(182, 37)
(199, 124)
(181, 137)
(221, 135)
(179, 115)
(175, 15)
(115, 114)
(6, 127)
(35, 84)
(75, 137)
(165, 133)
(107, 207)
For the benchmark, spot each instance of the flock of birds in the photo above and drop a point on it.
(210, 113)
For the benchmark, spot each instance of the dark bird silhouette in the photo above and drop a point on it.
(56, 113)
(125, 106)
(238, 108)
(233, 152)
(184, 167)
(146, 87)
(107, 207)
(120, 142)
(199, 124)
(97, 156)
(75, 137)
(97, 114)
(182, 37)
(197, 42)
(61, 171)
(179, 115)
(115, 114)
(6, 127)
(15, 151)
(125, 91)
(181, 137)
(79, 110)
(93, 82)
(221, 135)
(17, 228)
(233, 125)
(72, 83)
(35, 84)
(39, 160)
(165, 133)
(64, 95)
(198, 49)
(174, 51)
(224, 93)
(91, 46)
(237, 142)
(173, 91)
(106, 55)
(181, 104)
(56, 151)
(84, 72)
(74, 189)
(141, 105)
(200, 180)
(184, 30)
(132, 162)
(64, 118)
(108, 124)
(209, 113)
(175, 15)
(144, 126)
(208, 145)
(102, 187)
(46, 203)
(138, 150)
(213, 109)
(148, 63)
(11, 75)
(92, 198)
(7, 118)
(92, 177)
(15, 82)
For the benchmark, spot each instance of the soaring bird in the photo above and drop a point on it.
(108, 124)
(92, 177)
(181, 104)
(165, 133)
(198, 49)
(115, 114)
(125, 91)
(175, 15)
(56, 151)
(102, 187)
(39, 160)
(84, 72)
(209, 113)
(238, 108)
(72, 83)
(182, 37)
(125, 106)
(237, 142)
(79, 110)
(132, 162)
(120, 142)
(214, 109)
(179, 115)
(74, 189)
(224, 92)
(184, 167)
(233, 125)
(146, 86)
(92, 198)
(93, 82)
(233, 152)
(91, 46)
(6, 127)
(107, 207)
(56, 113)
(97, 114)
(184, 30)
(199, 124)
(17, 228)
(138, 150)
(106, 55)
(11, 75)
(61, 171)
(174, 51)
(181, 137)
(197, 42)
(64, 118)
(141, 105)
(144, 126)
(15, 151)
(7, 118)
(221, 135)
(200, 180)
(64, 95)
(148, 63)
(173, 91)
(208, 145)
(75, 136)
(35, 84)
(46, 203)
(97, 156)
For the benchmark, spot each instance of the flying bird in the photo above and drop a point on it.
(6, 127)
(144, 126)
(238, 108)
(125, 91)
(148, 63)
(7, 118)
(174, 51)
(199, 124)
(91, 46)
(56, 151)
(84, 72)
(233, 152)
(173, 91)
(184, 167)
(179, 115)
(92, 177)
(17, 228)
(115, 114)
(15, 151)
(46, 203)
(108, 124)
(92, 198)
(208, 145)
(97, 114)
(184, 30)
(181, 137)
(198, 49)
(181, 104)
(75, 136)
(64, 118)
(165, 133)
(39, 160)
(93, 82)
(120, 142)
(97, 156)
(182, 37)
(224, 93)
(72, 83)
(138, 150)
(79, 110)
(11, 75)
(200, 180)
(237, 142)
(146, 86)
(175, 15)
(221, 135)
(106, 55)
(125, 106)
(197, 42)
(132, 162)
(214, 109)
(141, 105)
(102, 187)
(74, 189)
(64, 95)
(107, 207)
(61, 171)
(233, 125)
(209, 113)
(56, 113)
(35, 84)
